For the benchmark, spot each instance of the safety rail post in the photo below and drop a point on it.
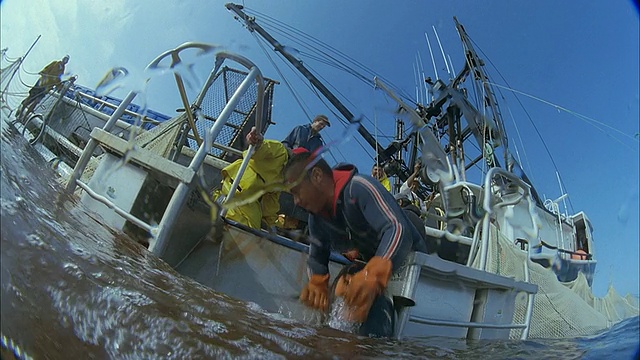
(489, 209)
(530, 300)
(92, 144)
(181, 192)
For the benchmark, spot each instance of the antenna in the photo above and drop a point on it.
(426, 89)
(433, 61)
(442, 51)
(451, 64)
(563, 196)
(417, 77)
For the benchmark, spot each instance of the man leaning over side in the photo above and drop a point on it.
(349, 211)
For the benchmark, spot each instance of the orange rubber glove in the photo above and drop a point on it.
(315, 293)
(360, 289)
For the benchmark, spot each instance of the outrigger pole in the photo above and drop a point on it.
(20, 60)
(382, 153)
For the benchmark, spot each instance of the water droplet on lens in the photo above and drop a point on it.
(34, 240)
(111, 81)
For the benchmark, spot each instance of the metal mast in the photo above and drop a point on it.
(253, 26)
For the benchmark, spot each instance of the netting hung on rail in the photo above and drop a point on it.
(560, 309)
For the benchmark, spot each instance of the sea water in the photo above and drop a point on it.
(75, 289)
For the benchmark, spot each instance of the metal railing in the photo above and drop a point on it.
(490, 209)
(162, 231)
(144, 119)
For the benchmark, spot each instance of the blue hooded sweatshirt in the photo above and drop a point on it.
(365, 217)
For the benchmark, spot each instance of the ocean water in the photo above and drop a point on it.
(74, 289)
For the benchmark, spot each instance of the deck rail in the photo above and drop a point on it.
(490, 209)
(162, 231)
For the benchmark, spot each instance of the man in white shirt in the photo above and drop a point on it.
(409, 189)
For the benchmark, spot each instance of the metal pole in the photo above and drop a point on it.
(21, 60)
(92, 143)
(250, 22)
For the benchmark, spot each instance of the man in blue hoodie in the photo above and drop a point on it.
(307, 136)
(348, 212)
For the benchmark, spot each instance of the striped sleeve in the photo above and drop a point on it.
(385, 217)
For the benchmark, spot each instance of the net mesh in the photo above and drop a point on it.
(560, 309)
(7, 73)
(243, 115)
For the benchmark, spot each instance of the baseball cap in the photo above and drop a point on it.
(323, 118)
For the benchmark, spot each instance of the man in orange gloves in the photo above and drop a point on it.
(348, 212)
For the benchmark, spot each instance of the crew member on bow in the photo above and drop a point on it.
(50, 76)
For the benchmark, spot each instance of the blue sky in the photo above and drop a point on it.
(582, 56)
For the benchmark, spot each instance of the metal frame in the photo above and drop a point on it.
(162, 231)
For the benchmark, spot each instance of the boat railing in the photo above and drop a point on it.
(184, 175)
(103, 103)
(513, 198)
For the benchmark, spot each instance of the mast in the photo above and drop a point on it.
(477, 70)
(475, 67)
(253, 26)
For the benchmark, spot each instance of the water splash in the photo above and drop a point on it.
(117, 77)
(337, 317)
(627, 205)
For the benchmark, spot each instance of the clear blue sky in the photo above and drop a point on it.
(580, 55)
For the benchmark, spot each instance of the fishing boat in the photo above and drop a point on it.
(508, 264)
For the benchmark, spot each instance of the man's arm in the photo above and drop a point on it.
(320, 249)
(416, 171)
(290, 140)
(385, 217)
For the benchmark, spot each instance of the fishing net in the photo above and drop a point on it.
(8, 70)
(160, 139)
(560, 309)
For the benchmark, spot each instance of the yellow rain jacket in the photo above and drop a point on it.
(386, 183)
(51, 74)
(263, 173)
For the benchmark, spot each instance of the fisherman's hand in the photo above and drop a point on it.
(360, 289)
(416, 168)
(315, 293)
(351, 255)
(254, 137)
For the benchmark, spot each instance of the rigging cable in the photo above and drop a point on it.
(327, 46)
(284, 79)
(588, 119)
(340, 65)
(305, 81)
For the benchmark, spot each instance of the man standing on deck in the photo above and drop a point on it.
(377, 171)
(409, 189)
(50, 76)
(264, 171)
(349, 211)
(307, 136)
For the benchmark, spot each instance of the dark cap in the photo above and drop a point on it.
(323, 118)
